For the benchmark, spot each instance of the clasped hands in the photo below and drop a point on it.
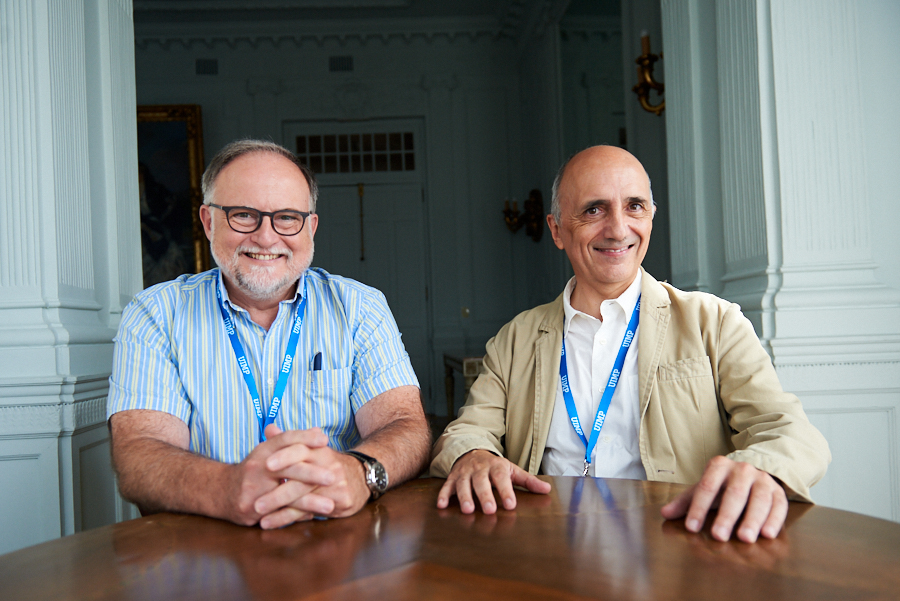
(736, 488)
(294, 476)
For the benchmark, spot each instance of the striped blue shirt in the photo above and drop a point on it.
(172, 354)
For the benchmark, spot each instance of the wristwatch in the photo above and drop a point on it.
(376, 476)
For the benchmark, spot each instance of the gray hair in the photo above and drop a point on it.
(554, 198)
(238, 149)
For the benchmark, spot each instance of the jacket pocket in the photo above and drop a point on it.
(687, 395)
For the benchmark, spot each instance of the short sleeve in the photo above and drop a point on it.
(380, 361)
(144, 372)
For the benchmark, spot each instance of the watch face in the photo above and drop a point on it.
(379, 477)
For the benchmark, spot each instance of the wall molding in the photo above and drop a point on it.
(298, 33)
(216, 5)
(587, 27)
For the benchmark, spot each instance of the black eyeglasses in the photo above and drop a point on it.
(246, 220)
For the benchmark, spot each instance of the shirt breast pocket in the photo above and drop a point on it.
(328, 398)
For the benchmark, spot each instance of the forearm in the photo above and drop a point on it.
(401, 446)
(158, 476)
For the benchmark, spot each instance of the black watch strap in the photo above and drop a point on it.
(376, 476)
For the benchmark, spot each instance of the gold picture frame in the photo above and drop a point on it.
(170, 165)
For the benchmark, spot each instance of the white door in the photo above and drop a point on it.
(384, 249)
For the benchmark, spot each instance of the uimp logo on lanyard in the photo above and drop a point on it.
(245, 366)
(606, 399)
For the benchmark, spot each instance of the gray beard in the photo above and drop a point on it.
(254, 282)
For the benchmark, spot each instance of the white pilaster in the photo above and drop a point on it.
(795, 213)
(69, 256)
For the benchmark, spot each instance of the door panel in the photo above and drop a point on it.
(391, 256)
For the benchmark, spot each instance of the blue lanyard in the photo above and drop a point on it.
(606, 399)
(245, 365)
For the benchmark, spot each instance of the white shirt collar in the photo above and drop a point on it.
(627, 300)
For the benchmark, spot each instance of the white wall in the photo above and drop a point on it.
(68, 184)
(782, 179)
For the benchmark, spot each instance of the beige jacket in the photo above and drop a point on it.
(706, 388)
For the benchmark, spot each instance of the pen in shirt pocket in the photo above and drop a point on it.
(317, 362)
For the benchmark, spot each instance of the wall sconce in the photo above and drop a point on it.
(532, 218)
(645, 77)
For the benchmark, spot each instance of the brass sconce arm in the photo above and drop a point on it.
(646, 83)
(532, 218)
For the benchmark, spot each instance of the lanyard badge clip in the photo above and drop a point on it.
(587, 466)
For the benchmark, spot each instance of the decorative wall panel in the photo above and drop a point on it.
(680, 132)
(739, 117)
(29, 496)
(70, 144)
(863, 444)
(124, 140)
(19, 179)
(822, 171)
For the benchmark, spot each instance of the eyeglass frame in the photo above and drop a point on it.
(271, 215)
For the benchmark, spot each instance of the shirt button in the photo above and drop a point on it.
(603, 341)
(271, 381)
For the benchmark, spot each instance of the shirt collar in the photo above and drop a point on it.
(627, 300)
(220, 282)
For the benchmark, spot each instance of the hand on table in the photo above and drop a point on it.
(319, 480)
(735, 488)
(483, 471)
(264, 496)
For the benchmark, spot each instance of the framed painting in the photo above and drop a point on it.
(170, 165)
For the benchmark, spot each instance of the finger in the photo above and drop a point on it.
(308, 473)
(502, 480)
(300, 454)
(484, 489)
(283, 517)
(759, 508)
(777, 516)
(447, 491)
(734, 501)
(314, 503)
(313, 437)
(678, 507)
(464, 494)
(530, 482)
(283, 495)
(706, 493)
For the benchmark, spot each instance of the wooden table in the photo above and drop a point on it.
(601, 539)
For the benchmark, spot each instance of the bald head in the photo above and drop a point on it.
(603, 217)
(592, 158)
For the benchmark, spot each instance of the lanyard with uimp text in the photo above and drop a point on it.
(606, 399)
(245, 365)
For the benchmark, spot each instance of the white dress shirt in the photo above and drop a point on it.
(591, 349)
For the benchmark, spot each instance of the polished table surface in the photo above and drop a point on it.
(600, 539)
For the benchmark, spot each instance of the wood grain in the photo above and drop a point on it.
(587, 539)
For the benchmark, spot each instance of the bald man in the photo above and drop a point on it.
(564, 391)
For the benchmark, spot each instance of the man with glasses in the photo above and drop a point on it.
(263, 391)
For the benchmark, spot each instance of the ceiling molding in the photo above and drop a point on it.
(525, 20)
(216, 5)
(585, 27)
(209, 35)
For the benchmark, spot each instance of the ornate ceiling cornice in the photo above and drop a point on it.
(201, 5)
(296, 32)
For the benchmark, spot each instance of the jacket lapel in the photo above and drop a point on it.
(654, 321)
(546, 375)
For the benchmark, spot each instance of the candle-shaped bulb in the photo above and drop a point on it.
(645, 42)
